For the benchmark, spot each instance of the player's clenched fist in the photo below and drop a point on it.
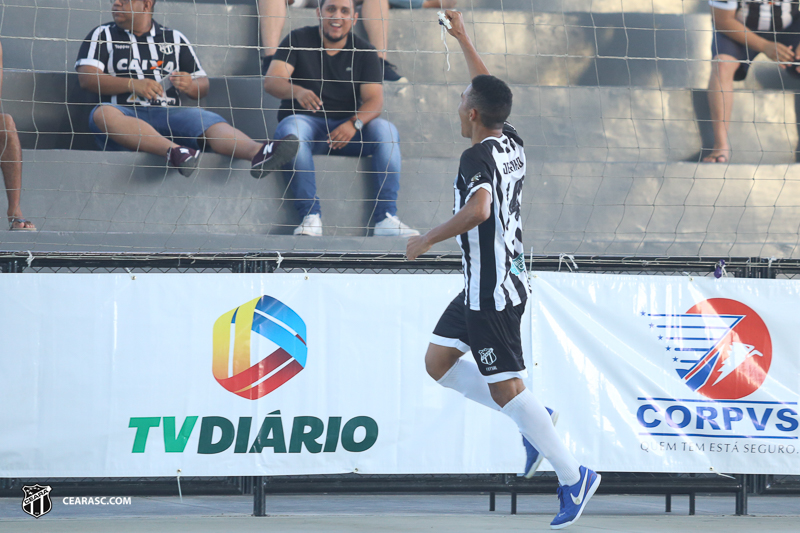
(457, 28)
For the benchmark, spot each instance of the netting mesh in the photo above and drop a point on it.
(610, 96)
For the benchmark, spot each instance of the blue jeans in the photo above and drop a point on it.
(380, 140)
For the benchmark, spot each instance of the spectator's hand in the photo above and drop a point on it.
(457, 22)
(780, 53)
(341, 135)
(147, 89)
(416, 246)
(308, 99)
(184, 83)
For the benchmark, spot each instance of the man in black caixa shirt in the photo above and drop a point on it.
(140, 69)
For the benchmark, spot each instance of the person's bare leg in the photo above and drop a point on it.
(271, 18)
(224, 139)
(720, 101)
(130, 132)
(374, 15)
(11, 166)
(438, 4)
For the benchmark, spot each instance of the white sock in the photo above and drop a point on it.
(465, 378)
(535, 424)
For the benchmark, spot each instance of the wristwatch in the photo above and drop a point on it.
(358, 124)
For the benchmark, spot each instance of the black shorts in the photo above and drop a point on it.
(492, 336)
(722, 44)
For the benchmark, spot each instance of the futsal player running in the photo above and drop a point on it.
(485, 317)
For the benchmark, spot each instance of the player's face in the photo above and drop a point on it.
(336, 18)
(464, 112)
(124, 11)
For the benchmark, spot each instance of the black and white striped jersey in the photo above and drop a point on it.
(762, 15)
(493, 260)
(154, 55)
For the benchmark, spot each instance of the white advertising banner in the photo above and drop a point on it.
(276, 374)
(671, 373)
(217, 374)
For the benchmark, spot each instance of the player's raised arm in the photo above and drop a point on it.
(457, 30)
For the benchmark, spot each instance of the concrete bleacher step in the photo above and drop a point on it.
(614, 208)
(577, 42)
(557, 123)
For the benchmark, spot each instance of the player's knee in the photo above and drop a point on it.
(436, 363)
(433, 366)
(505, 391)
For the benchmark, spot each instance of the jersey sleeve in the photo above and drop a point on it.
(94, 50)
(187, 58)
(284, 51)
(475, 173)
(726, 5)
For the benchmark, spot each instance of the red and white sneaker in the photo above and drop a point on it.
(184, 159)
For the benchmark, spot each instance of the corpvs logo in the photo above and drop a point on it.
(721, 350)
(733, 345)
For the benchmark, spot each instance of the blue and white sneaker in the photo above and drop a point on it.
(534, 458)
(573, 498)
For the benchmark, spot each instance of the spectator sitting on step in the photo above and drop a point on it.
(329, 83)
(11, 166)
(742, 30)
(272, 16)
(140, 69)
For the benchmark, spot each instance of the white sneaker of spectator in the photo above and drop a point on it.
(391, 226)
(312, 226)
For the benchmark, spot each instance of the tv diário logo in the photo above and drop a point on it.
(241, 335)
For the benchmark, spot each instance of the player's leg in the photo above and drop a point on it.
(534, 422)
(577, 484)
(496, 345)
(11, 166)
(443, 359)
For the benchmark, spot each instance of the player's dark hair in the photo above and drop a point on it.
(492, 98)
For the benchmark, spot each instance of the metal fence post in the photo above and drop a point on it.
(259, 497)
(741, 495)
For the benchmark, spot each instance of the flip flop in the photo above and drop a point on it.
(23, 222)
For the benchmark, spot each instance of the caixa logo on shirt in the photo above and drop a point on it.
(165, 68)
(721, 350)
